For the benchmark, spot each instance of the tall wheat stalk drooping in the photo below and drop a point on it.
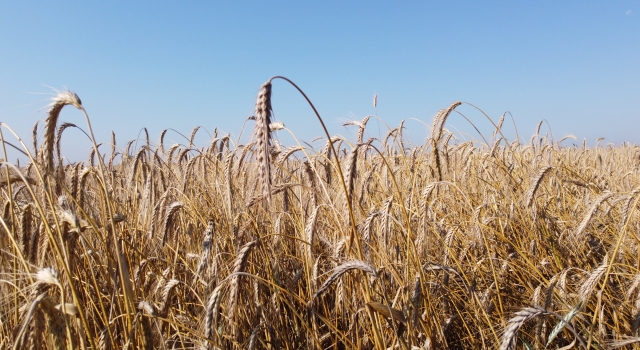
(62, 99)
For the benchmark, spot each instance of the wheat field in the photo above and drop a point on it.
(359, 244)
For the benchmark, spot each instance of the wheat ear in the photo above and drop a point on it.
(61, 128)
(104, 341)
(211, 312)
(166, 296)
(440, 119)
(55, 323)
(168, 218)
(34, 139)
(26, 228)
(436, 134)
(238, 266)
(62, 99)
(309, 230)
(352, 162)
(627, 205)
(339, 271)
(161, 142)
(536, 183)
(193, 135)
(113, 150)
(498, 126)
(262, 136)
(510, 334)
(207, 244)
(590, 284)
(606, 195)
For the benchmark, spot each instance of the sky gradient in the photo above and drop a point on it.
(575, 64)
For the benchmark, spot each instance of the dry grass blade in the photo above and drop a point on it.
(563, 323)
(614, 344)
(17, 178)
(387, 311)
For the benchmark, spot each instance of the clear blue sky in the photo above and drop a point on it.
(187, 63)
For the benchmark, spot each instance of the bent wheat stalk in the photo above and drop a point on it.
(62, 99)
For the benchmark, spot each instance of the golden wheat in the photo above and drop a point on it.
(165, 248)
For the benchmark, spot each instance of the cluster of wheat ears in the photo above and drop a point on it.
(359, 244)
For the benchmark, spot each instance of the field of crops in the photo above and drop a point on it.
(370, 243)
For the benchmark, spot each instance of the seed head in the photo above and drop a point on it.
(48, 275)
